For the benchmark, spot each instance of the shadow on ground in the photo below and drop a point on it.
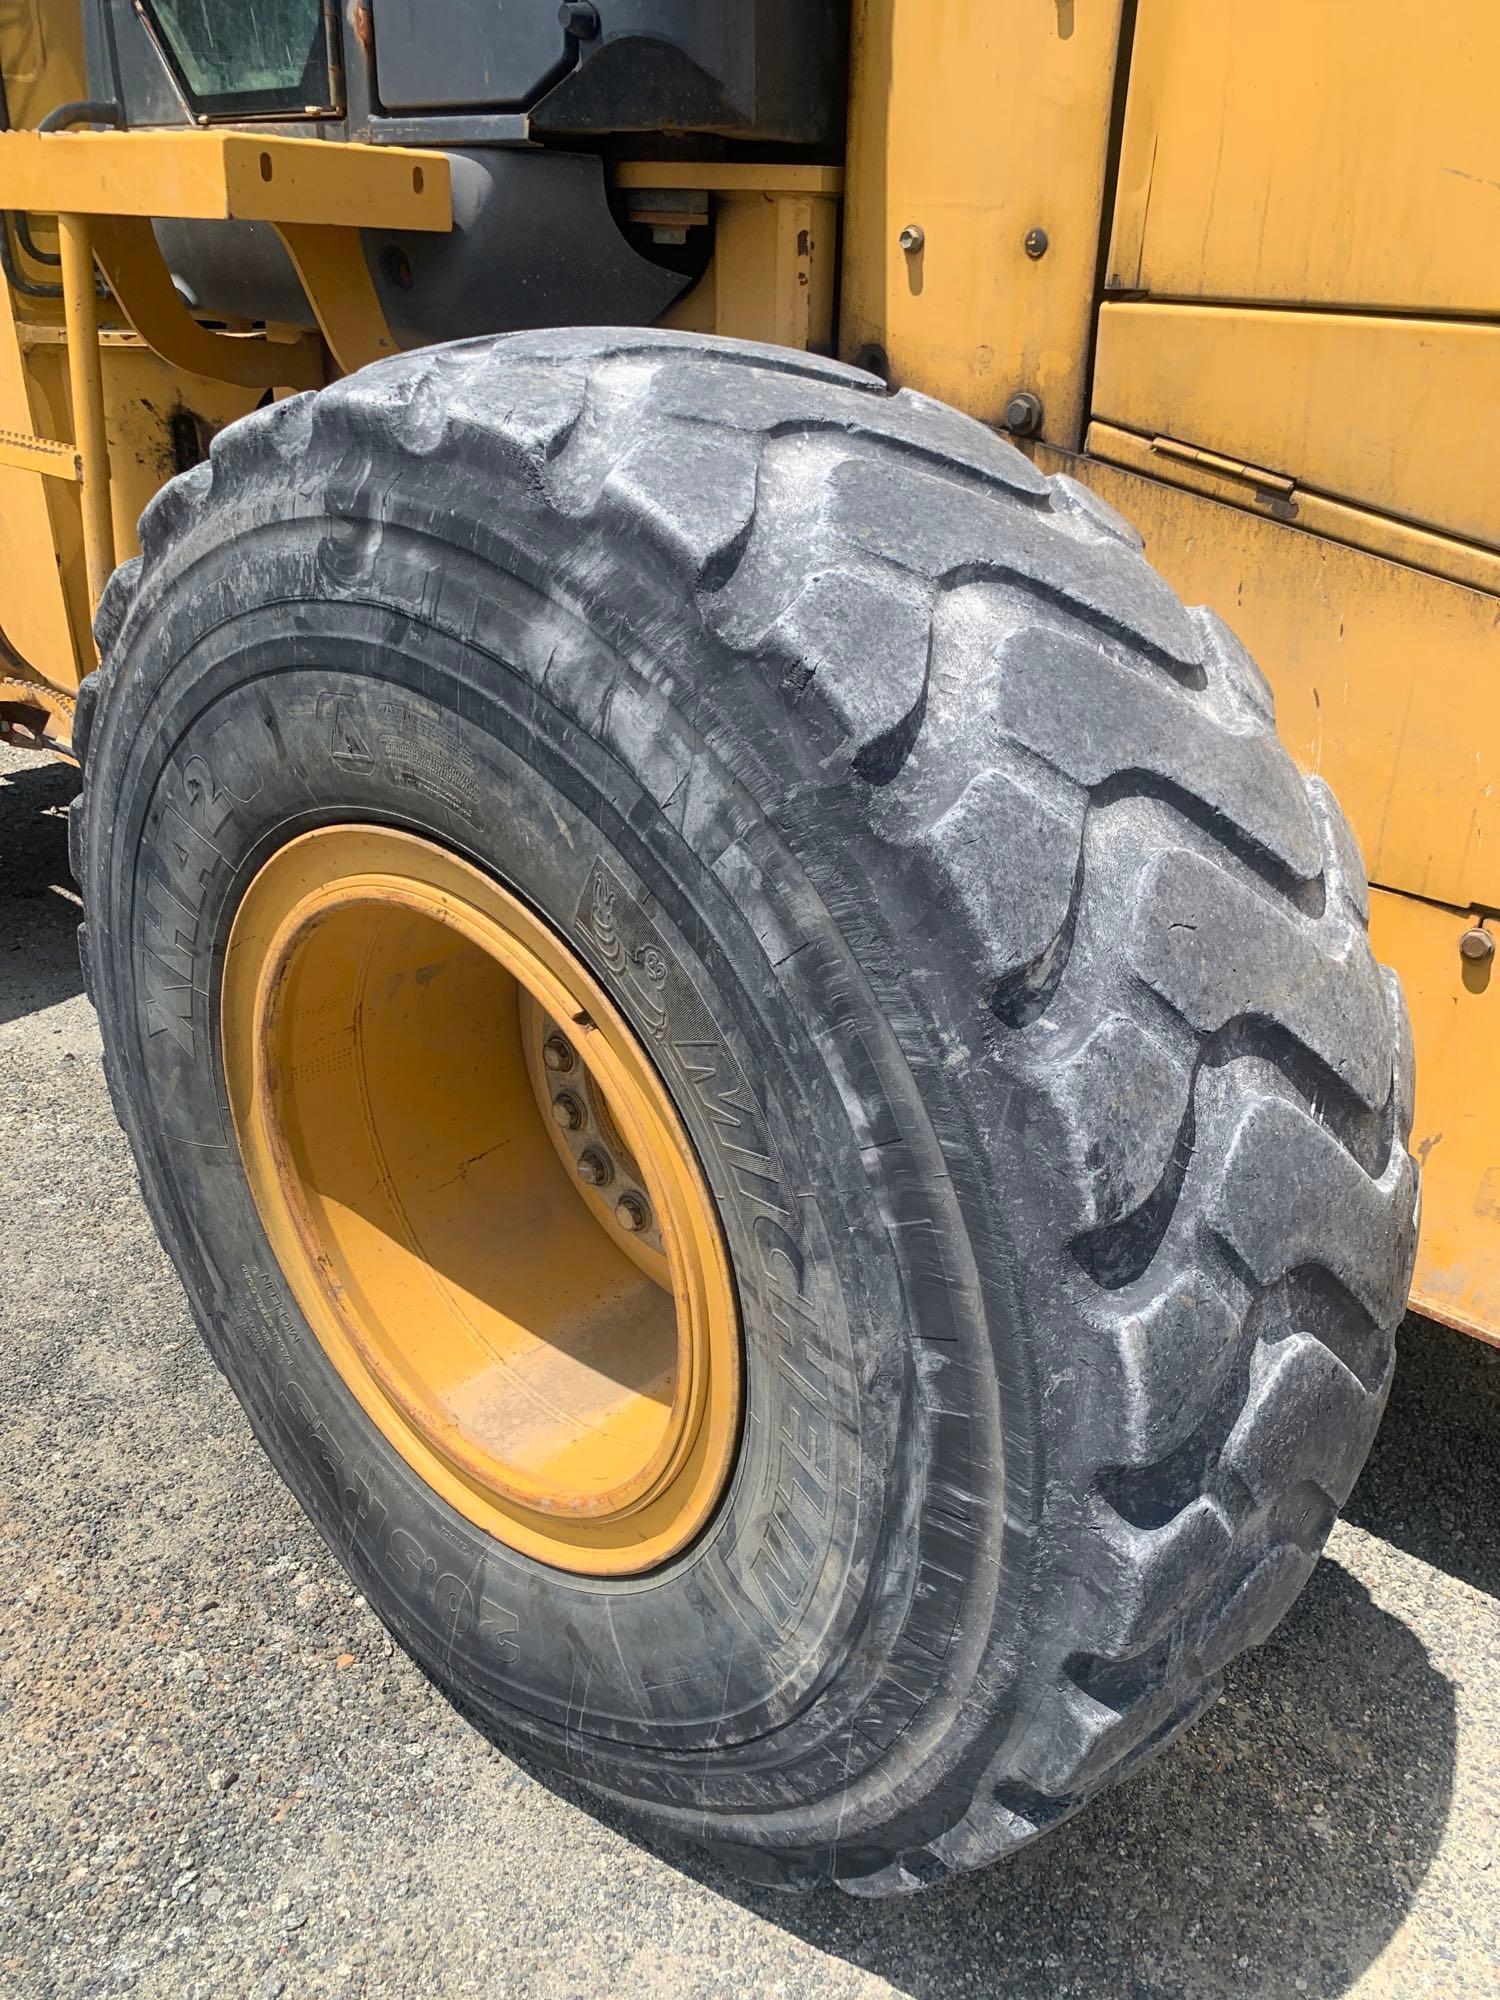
(1430, 1486)
(1274, 1850)
(39, 907)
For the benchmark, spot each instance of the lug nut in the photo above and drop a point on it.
(567, 1112)
(1036, 243)
(557, 1054)
(912, 237)
(594, 1170)
(580, 19)
(1476, 945)
(1023, 413)
(632, 1213)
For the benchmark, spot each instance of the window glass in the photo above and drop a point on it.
(247, 55)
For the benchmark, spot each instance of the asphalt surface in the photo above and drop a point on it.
(219, 1778)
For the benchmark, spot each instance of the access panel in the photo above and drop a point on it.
(1307, 152)
(1304, 266)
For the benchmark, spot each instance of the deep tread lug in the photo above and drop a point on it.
(1217, 951)
(1097, 722)
(696, 496)
(1014, 919)
(1122, 1098)
(860, 651)
(945, 533)
(1261, 1211)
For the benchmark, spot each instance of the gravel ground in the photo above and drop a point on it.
(221, 1779)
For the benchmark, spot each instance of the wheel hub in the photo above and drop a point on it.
(482, 1198)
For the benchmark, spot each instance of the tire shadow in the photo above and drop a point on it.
(39, 905)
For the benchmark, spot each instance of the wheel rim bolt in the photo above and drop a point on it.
(567, 1112)
(593, 1169)
(632, 1213)
(557, 1054)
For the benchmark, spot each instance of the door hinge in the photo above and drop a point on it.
(1274, 490)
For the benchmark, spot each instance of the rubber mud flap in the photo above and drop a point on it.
(1012, 985)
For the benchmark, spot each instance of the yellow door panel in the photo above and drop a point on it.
(1387, 680)
(1313, 151)
(1398, 415)
(1455, 1012)
(975, 125)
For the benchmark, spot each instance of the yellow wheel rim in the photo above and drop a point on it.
(482, 1198)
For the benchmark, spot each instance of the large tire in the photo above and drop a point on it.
(1054, 1106)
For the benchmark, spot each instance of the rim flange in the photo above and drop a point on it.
(654, 1515)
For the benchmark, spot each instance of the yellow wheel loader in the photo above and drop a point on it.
(769, 1085)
